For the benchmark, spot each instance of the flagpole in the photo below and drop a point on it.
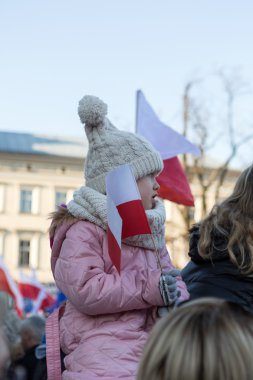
(161, 268)
(136, 109)
(157, 254)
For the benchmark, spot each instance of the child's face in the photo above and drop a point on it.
(148, 188)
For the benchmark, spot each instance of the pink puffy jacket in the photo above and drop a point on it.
(108, 316)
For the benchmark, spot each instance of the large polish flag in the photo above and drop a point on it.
(8, 285)
(33, 290)
(122, 188)
(173, 182)
(114, 231)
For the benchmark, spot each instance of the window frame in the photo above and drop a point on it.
(23, 202)
(21, 262)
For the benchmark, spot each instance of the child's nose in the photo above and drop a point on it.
(156, 185)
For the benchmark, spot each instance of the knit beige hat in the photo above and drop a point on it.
(109, 147)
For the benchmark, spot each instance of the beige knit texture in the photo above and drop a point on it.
(110, 147)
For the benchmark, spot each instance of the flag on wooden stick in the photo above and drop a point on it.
(123, 192)
(173, 182)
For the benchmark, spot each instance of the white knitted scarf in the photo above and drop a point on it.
(88, 204)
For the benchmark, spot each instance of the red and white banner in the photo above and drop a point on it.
(8, 285)
(173, 182)
(125, 212)
(114, 231)
(32, 289)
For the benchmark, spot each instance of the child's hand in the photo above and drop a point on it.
(168, 287)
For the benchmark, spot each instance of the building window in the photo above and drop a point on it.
(24, 253)
(26, 201)
(60, 197)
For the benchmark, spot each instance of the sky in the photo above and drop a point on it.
(52, 52)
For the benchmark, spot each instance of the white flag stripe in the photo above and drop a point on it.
(167, 141)
(121, 185)
(114, 220)
(13, 286)
(25, 279)
(37, 303)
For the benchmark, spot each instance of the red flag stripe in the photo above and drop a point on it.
(114, 251)
(29, 290)
(134, 219)
(8, 285)
(174, 184)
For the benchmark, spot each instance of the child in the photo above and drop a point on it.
(221, 248)
(108, 315)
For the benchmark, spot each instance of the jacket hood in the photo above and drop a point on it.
(62, 220)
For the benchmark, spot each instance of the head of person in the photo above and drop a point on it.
(232, 219)
(6, 305)
(205, 339)
(32, 330)
(4, 354)
(10, 324)
(110, 147)
(242, 195)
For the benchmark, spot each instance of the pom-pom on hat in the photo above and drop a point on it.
(110, 147)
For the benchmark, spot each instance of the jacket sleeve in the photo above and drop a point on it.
(79, 273)
(167, 265)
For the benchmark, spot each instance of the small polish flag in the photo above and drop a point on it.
(122, 188)
(125, 212)
(114, 230)
(8, 285)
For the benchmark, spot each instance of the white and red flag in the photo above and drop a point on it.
(173, 182)
(122, 190)
(31, 289)
(8, 285)
(114, 231)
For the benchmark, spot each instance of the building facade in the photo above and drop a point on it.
(37, 173)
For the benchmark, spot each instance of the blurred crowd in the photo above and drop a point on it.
(22, 350)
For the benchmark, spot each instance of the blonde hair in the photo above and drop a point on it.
(232, 220)
(205, 339)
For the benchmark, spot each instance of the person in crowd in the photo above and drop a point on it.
(4, 355)
(204, 339)
(10, 323)
(221, 248)
(108, 315)
(32, 330)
